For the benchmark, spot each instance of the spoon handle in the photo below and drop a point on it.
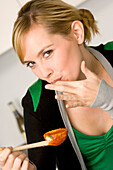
(29, 146)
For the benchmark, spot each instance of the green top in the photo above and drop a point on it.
(108, 46)
(97, 150)
(35, 91)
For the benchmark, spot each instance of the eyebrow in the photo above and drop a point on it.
(41, 51)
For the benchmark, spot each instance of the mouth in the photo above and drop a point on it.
(54, 81)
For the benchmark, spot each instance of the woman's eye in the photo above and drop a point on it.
(47, 54)
(30, 64)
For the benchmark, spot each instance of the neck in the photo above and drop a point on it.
(90, 60)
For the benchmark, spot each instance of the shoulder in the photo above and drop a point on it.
(108, 46)
(35, 92)
(107, 51)
(105, 47)
(32, 96)
(37, 96)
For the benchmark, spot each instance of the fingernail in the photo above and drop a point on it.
(26, 159)
(67, 106)
(47, 86)
(55, 96)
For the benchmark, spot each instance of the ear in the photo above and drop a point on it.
(78, 31)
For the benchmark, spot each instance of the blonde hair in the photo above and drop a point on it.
(55, 15)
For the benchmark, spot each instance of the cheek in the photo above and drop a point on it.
(37, 73)
(61, 60)
(60, 63)
(67, 61)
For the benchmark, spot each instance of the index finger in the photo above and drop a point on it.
(61, 88)
(4, 155)
(70, 83)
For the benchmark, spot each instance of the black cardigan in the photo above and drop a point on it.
(47, 117)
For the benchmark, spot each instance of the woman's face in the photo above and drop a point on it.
(51, 57)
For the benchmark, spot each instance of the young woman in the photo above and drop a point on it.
(50, 37)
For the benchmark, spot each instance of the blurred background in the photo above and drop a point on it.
(15, 78)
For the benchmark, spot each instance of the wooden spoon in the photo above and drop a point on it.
(52, 138)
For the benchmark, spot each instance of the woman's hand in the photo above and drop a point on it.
(77, 93)
(14, 160)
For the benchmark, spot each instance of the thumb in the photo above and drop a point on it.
(88, 73)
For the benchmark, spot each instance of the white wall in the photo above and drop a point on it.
(103, 12)
(15, 79)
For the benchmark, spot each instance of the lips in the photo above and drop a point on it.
(54, 81)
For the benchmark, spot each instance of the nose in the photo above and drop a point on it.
(46, 72)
